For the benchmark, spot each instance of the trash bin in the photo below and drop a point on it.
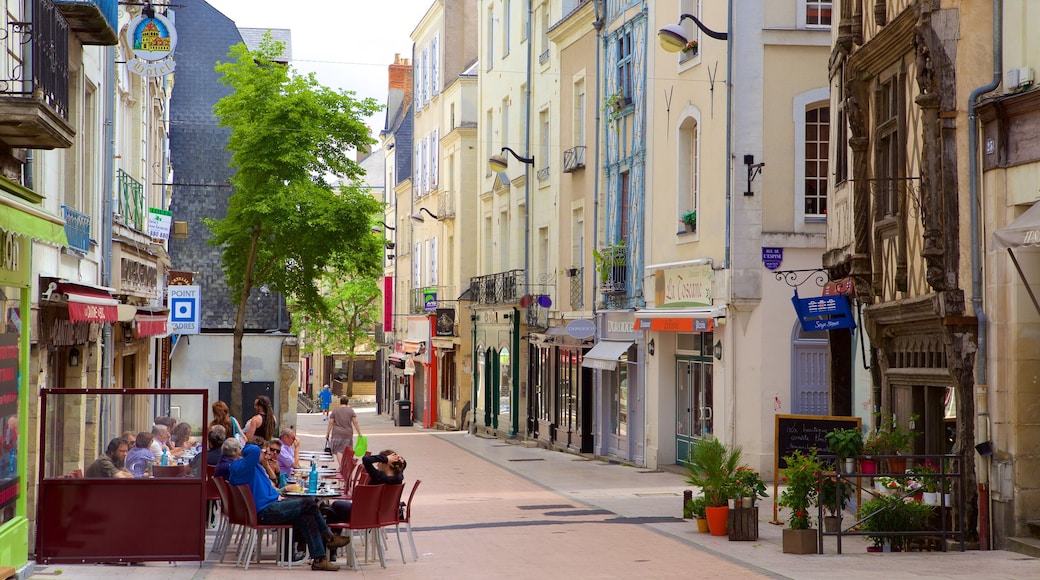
(403, 413)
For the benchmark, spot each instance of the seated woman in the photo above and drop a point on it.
(384, 468)
(180, 438)
(140, 457)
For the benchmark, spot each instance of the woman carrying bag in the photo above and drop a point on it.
(343, 424)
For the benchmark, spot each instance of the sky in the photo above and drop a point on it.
(347, 44)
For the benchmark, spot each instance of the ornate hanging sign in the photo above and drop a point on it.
(151, 40)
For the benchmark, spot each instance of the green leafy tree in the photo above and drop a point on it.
(351, 310)
(285, 225)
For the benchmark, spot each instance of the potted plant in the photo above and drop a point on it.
(898, 440)
(891, 513)
(616, 103)
(694, 509)
(925, 474)
(750, 486)
(801, 492)
(846, 444)
(834, 495)
(691, 48)
(876, 444)
(611, 265)
(689, 219)
(712, 467)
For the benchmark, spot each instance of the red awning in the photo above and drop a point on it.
(88, 304)
(150, 324)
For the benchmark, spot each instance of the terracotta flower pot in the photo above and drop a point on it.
(800, 541)
(702, 525)
(897, 465)
(717, 520)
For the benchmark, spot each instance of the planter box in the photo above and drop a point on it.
(800, 541)
(743, 524)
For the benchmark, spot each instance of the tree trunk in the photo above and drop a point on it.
(350, 373)
(240, 329)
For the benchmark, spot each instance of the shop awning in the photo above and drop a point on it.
(396, 360)
(32, 223)
(605, 354)
(412, 346)
(699, 319)
(87, 303)
(1022, 233)
(151, 322)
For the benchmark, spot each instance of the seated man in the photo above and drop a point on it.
(139, 460)
(289, 458)
(231, 450)
(271, 508)
(213, 453)
(111, 464)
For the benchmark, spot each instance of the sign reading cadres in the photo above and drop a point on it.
(151, 40)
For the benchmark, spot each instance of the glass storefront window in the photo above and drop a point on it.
(505, 385)
(10, 375)
(478, 405)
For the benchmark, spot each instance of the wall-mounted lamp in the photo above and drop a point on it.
(673, 37)
(650, 347)
(499, 163)
(389, 245)
(417, 216)
(753, 171)
(74, 357)
(377, 230)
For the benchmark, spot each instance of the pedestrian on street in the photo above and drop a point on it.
(340, 432)
(273, 509)
(325, 398)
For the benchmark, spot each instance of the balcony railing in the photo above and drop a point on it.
(34, 79)
(574, 159)
(543, 174)
(544, 56)
(94, 21)
(77, 229)
(612, 269)
(577, 288)
(501, 288)
(537, 317)
(446, 204)
(131, 201)
(443, 297)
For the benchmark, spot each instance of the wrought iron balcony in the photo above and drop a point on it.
(445, 204)
(574, 159)
(77, 229)
(577, 290)
(442, 297)
(544, 56)
(537, 317)
(612, 268)
(94, 21)
(34, 79)
(501, 288)
(543, 174)
(131, 211)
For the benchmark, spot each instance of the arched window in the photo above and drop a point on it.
(688, 167)
(811, 116)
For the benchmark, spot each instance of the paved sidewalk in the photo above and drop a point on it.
(489, 501)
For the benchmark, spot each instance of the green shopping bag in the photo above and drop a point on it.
(361, 446)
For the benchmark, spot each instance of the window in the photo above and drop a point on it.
(503, 240)
(817, 13)
(577, 238)
(435, 152)
(841, 141)
(505, 122)
(417, 264)
(688, 163)
(545, 31)
(624, 64)
(425, 75)
(624, 199)
(888, 148)
(507, 9)
(489, 134)
(490, 39)
(579, 113)
(543, 251)
(488, 243)
(433, 262)
(692, 32)
(817, 135)
(435, 66)
(543, 122)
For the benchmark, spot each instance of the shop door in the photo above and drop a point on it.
(809, 394)
(693, 404)
(617, 439)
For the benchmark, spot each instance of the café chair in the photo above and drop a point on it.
(256, 530)
(390, 511)
(234, 518)
(364, 517)
(407, 519)
(167, 471)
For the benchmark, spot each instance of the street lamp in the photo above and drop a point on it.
(673, 37)
(417, 216)
(499, 163)
(377, 230)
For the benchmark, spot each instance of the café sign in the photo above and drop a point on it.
(151, 41)
(686, 287)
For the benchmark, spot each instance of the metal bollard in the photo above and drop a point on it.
(687, 496)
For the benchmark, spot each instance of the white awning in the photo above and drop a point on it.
(605, 354)
(1023, 231)
(698, 312)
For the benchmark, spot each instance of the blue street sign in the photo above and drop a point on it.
(772, 257)
(823, 312)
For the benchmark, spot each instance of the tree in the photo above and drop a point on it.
(285, 225)
(352, 309)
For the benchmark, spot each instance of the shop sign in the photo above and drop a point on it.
(139, 276)
(581, 329)
(686, 287)
(823, 312)
(181, 278)
(445, 322)
(12, 249)
(151, 40)
(159, 221)
(843, 286)
(676, 324)
(429, 296)
(772, 257)
(185, 315)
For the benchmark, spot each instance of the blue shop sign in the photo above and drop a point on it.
(823, 312)
(772, 257)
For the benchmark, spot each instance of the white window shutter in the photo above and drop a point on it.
(435, 146)
(426, 74)
(417, 171)
(417, 266)
(433, 261)
(416, 85)
(435, 66)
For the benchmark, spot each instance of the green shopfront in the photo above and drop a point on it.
(497, 371)
(20, 224)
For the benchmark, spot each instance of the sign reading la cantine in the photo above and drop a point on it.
(151, 40)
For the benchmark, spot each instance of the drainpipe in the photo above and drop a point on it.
(982, 354)
(729, 135)
(598, 25)
(108, 175)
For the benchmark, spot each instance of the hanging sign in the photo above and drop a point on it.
(151, 40)
(823, 312)
(772, 257)
(159, 221)
(430, 299)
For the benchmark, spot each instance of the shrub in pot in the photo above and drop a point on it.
(799, 495)
(712, 467)
(694, 509)
(846, 444)
(892, 513)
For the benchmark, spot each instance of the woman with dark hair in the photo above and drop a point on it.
(180, 436)
(386, 468)
(222, 417)
(264, 423)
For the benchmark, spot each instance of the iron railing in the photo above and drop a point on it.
(574, 159)
(131, 201)
(444, 297)
(537, 317)
(445, 204)
(577, 288)
(500, 288)
(77, 229)
(44, 43)
(543, 173)
(544, 56)
(612, 268)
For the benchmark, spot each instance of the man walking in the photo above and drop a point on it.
(325, 398)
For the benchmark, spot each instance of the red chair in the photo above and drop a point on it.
(214, 505)
(256, 529)
(234, 518)
(364, 516)
(407, 520)
(390, 511)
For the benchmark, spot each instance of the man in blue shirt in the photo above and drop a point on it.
(271, 508)
(325, 398)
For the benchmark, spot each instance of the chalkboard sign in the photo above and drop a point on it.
(806, 432)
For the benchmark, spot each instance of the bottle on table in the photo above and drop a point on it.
(312, 481)
(165, 459)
